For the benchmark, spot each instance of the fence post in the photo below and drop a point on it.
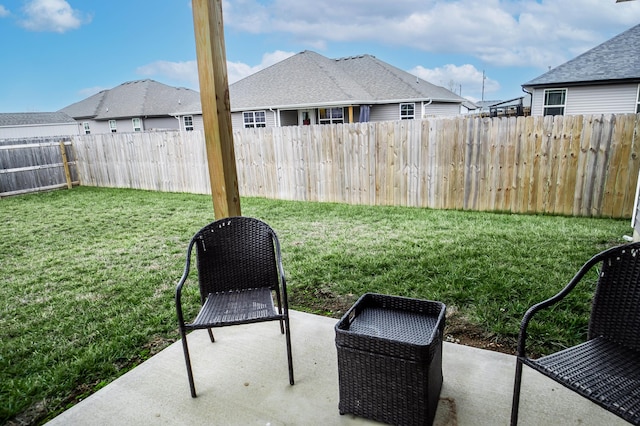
(65, 163)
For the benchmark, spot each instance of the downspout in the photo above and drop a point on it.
(276, 117)
(425, 105)
(531, 95)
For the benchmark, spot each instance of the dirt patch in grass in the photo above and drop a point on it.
(460, 330)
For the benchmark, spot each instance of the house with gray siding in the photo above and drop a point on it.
(138, 106)
(603, 80)
(308, 88)
(36, 124)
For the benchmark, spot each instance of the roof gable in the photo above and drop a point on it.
(615, 59)
(310, 79)
(141, 98)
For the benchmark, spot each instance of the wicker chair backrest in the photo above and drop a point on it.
(235, 254)
(615, 312)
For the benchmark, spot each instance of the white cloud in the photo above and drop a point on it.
(90, 91)
(52, 15)
(498, 32)
(453, 77)
(3, 11)
(238, 70)
(187, 72)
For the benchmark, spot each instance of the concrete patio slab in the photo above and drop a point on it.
(242, 380)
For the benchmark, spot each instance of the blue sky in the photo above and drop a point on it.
(57, 52)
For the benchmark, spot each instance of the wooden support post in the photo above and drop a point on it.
(350, 113)
(216, 107)
(65, 164)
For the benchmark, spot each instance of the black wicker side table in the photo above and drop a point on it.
(390, 359)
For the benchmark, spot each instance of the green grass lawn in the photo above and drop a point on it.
(88, 276)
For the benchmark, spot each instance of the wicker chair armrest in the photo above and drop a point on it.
(182, 282)
(522, 336)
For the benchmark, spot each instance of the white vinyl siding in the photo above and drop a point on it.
(601, 99)
(387, 112)
(41, 130)
(440, 109)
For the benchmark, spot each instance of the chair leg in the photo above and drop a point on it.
(213, 340)
(187, 360)
(515, 404)
(279, 300)
(289, 356)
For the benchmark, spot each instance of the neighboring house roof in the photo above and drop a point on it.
(309, 79)
(15, 119)
(617, 59)
(141, 98)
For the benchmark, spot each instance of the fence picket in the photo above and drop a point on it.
(572, 165)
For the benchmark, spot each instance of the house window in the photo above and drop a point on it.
(85, 126)
(137, 124)
(554, 101)
(638, 101)
(255, 119)
(188, 122)
(407, 111)
(112, 126)
(330, 115)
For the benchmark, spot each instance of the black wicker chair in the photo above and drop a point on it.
(239, 268)
(606, 368)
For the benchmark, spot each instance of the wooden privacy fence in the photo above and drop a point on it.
(569, 165)
(36, 164)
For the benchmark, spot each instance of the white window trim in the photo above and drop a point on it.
(407, 117)
(255, 123)
(638, 101)
(113, 126)
(139, 128)
(563, 106)
(331, 119)
(188, 127)
(87, 127)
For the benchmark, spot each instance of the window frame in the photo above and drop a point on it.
(405, 116)
(333, 116)
(188, 127)
(250, 119)
(560, 106)
(113, 126)
(638, 101)
(86, 127)
(139, 127)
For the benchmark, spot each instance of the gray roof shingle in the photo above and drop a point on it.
(310, 79)
(140, 98)
(615, 59)
(34, 118)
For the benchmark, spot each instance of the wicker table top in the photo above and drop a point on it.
(401, 326)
